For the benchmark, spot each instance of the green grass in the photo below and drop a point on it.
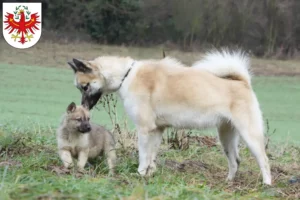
(28, 159)
(41, 95)
(32, 99)
(279, 98)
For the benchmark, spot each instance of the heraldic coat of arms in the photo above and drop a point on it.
(22, 25)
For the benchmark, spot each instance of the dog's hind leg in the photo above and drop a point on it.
(111, 160)
(255, 142)
(250, 127)
(229, 139)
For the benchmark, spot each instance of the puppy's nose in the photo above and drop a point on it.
(88, 127)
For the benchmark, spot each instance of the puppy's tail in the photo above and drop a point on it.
(226, 64)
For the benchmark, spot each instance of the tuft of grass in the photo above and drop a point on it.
(30, 169)
(29, 159)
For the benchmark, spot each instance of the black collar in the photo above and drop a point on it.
(127, 73)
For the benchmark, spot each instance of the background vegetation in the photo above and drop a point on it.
(264, 27)
(37, 85)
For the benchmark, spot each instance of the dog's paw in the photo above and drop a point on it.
(68, 165)
(111, 174)
(151, 170)
(81, 170)
(230, 178)
(142, 172)
(148, 172)
(66, 170)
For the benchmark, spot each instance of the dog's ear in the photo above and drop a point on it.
(80, 66)
(164, 54)
(71, 108)
(73, 67)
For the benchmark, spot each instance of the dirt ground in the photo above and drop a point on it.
(56, 55)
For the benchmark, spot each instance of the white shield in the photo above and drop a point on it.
(22, 24)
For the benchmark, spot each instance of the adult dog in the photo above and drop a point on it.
(215, 92)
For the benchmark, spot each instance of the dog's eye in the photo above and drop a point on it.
(78, 119)
(88, 119)
(85, 87)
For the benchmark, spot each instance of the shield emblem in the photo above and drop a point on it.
(22, 24)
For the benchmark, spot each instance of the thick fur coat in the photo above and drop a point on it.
(216, 92)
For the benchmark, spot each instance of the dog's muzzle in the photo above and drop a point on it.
(84, 128)
(90, 100)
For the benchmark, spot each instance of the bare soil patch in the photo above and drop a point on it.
(10, 163)
(288, 185)
(189, 166)
(57, 54)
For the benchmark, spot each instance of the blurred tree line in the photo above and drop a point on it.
(266, 27)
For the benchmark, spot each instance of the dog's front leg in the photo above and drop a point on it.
(82, 159)
(156, 138)
(144, 152)
(66, 158)
(148, 142)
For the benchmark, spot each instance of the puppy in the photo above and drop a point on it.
(78, 138)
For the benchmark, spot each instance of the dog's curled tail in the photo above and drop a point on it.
(226, 64)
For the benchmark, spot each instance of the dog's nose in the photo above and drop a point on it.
(88, 128)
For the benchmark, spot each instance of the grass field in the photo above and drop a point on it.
(41, 94)
(32, 99)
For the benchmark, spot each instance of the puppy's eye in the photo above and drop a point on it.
(78, 119)
(88, 119)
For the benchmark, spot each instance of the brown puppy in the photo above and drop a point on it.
(78, 138)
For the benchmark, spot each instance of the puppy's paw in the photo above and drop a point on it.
(68, 165)
(66, 170)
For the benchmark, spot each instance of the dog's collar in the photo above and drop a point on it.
(127, 73)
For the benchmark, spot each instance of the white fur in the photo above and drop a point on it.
(113, 75)
(171, 62)
(220, 64)
(223, 63)
(74, 141)
(209, 102)
(95, 85)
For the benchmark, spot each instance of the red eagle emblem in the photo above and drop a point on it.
(24, 26)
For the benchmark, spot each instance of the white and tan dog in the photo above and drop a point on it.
(215, 92)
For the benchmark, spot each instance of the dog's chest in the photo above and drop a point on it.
(75, 144)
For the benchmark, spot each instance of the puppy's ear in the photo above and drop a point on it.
(71, 108)
(80, 66)
(73, 67)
